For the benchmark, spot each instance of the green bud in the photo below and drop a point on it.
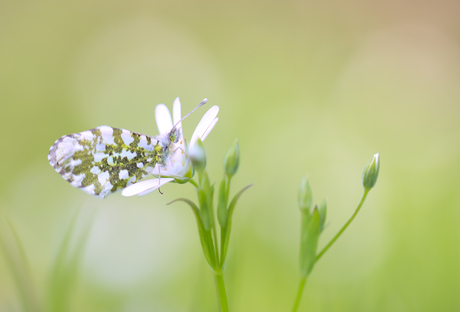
(322, 213)
(371, 172)
(232, 159)
(198, 156)
(310, 231)
(305, 197)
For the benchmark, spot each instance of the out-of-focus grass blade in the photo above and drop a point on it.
(19, 265)
(65, 268)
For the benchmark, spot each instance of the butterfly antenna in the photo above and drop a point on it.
(201, 104)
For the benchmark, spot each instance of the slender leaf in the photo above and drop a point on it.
(204, 239)
(226, 234)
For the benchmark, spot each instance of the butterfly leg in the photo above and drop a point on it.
(177, 149)
(159, 179)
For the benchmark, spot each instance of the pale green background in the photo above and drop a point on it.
(308, 87)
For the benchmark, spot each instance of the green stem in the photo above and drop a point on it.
(221, 293)
(223, 230)
(299, 293)
(366, 191)
(214, 232)
(223, 233)
(193, 183)
(216, 243)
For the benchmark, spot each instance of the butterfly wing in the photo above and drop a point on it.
(103, 160)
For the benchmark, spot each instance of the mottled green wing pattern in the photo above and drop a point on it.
(105, 159)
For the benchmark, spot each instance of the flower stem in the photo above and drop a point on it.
(221, 293)
(366, 191)
(303, 280)
(193, 183)
(214, 233)
(216, 243)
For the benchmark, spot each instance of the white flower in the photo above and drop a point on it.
(178, 164)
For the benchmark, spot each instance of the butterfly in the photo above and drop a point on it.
(104, 160)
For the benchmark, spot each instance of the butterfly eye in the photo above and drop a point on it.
(173, 137)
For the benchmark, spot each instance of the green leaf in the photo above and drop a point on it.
(310, 231)
(206, 245)
(226, 233)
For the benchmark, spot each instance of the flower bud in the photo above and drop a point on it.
(305, 196)
(371, 172)
(322, 209)
(309, 236)
(232, 159)
(198, 156)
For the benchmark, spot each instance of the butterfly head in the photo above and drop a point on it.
(174, 135)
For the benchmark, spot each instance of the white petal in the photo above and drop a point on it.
(156, 187)
(163, 119)
(176, 112)
(204, 124)
(146, 192)
(208, 131)
(176, 117)
(143, 186)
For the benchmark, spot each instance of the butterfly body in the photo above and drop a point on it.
(103, 160)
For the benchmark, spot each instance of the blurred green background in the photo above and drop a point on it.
(307, 87)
